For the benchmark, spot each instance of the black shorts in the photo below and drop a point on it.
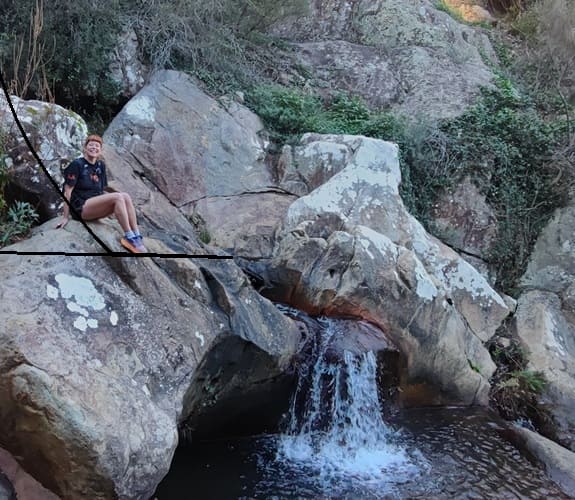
(77, 205)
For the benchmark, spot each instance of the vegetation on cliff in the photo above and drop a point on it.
(517, 140)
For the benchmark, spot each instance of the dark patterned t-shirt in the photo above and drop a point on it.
(87, 179)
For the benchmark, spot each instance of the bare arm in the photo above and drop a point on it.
(66, 213)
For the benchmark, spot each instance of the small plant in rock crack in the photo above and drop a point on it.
(515, 389)
(17, 222)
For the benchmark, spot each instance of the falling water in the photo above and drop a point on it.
(335, 430)
(336, 445)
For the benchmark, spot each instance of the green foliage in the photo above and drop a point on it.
(525, 25)
(474, 366)
(442, 6)
(60, 50)
(204, 236)
(290, 112)
(532, 381)
(75, 40)
(515, 389)
(17, 222)
(287, 112)
(214, 39)
(427, 168)
(505, 144)
(3, 180)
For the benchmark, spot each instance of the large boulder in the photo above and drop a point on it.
(545, 319)
(207, 157)
(463, 219)
(100, 352)
(97, 354)
(55, 133)
(558, 462)
(405, 55)
(351, 247)
(126, 67)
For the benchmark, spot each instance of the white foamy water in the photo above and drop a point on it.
(339, 433)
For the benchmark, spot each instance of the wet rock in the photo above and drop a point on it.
(559, 462)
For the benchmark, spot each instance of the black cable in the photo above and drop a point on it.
(43, 167)
(108, 252)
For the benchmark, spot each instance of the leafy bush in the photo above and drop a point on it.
(287, 112)
(515, 389)
(15, 220)
(290, 112)
(546, 62)
(60, 51)
(507, 146)
(502, 142)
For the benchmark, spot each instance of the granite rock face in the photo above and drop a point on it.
(56, 135)
(350, 247)
(545, 320)
(404, 55)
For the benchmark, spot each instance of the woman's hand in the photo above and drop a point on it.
(63, 222)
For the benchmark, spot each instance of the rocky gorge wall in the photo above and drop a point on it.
(102, 358)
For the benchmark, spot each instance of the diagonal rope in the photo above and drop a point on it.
(43, 167)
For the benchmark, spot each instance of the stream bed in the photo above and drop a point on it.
(460, 453)
(336, 443)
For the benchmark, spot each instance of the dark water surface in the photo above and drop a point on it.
(451, 453)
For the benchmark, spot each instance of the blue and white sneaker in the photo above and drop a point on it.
(134, 245)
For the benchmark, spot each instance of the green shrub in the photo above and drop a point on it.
(17, 219)
(17, 222)
(290, 112)
(505, 144)
(502, 142)
(531, 380)
(287, 112)
(61, 50)
(515, 389)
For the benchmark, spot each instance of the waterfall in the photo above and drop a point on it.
(335, 428)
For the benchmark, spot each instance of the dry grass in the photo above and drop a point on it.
(29, 59)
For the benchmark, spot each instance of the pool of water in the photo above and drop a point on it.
(435, 454)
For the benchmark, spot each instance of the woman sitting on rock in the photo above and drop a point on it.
(84, 184)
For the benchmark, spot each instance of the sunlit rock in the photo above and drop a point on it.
(407, 56)
(351, 247)
(56, 136)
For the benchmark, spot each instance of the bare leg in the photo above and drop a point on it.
(105, 205)
(131, 212)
